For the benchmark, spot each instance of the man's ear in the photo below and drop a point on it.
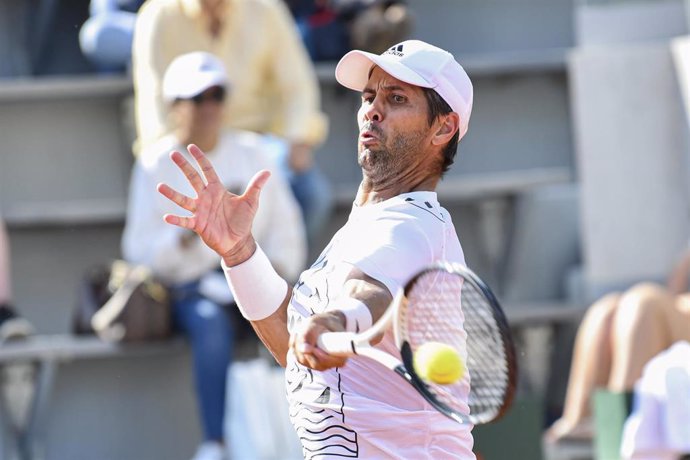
(446, 126)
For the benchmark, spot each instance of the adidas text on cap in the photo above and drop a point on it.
(191, 74)
(417, 63)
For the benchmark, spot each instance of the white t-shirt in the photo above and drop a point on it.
(148, 240)
(363, 410)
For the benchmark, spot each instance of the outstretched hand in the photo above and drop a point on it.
(222, 219)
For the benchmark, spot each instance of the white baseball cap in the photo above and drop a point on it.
(191, 74)
(417, 63)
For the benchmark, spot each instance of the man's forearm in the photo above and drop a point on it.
(262, 296)
(273, 331)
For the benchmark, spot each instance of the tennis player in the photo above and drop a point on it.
(416, 105)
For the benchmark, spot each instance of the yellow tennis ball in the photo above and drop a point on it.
(438, 363)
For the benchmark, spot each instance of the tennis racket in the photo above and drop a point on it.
(445, 303)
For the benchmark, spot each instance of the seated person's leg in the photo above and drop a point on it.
(680, 318)
(210, 331)
(590, 368)
(617, 337)
(641, 329)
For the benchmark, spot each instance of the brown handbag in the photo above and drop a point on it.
(124, 303)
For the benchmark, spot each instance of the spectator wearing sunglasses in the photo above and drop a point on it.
(276, 93)
(195, 88)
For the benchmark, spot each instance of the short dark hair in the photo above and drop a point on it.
(437, 107)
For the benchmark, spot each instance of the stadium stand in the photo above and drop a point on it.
(524, 196)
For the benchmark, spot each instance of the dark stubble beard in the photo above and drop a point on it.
(384, 163)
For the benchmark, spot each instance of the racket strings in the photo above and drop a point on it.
(444, 307)
(433, 315)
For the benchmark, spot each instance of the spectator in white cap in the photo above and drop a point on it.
(195, 86)
(277, 93)
(416, 105)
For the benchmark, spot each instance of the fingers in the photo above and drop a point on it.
(317, 359)
(313, 357)
(189, 171)
(176, 197)
(253, 190)
(303, 344)
(206, 166)
(180, 221)
(181, 200)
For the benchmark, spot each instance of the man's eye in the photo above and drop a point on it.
(368, 99)
(398, 98)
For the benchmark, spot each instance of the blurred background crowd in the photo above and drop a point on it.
(570, 190)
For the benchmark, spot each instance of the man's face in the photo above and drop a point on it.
(201, 114)
(394, 132)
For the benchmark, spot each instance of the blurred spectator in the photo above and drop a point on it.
(330, 28)
(323, 29)
(106, 37)
(195, 86)
(12, 326)
(619, 334)
(274, 86)
(380, 25)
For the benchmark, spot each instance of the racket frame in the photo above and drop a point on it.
(350, 343)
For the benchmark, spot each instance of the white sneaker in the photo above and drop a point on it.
(210, 450)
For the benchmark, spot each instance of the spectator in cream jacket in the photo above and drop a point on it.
(275, 91)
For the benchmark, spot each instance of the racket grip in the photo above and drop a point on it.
(337, 343)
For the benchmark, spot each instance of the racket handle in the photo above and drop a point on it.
(338, 343)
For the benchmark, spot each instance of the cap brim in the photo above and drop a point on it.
(202, 84)
(353, 70)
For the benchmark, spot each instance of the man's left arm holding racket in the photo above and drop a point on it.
(224, 220)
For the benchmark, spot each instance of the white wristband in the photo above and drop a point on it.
(258, 289)
(357, 314)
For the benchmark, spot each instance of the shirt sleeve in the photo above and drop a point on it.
(300, 118)
(392, 252)
(148, 66)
